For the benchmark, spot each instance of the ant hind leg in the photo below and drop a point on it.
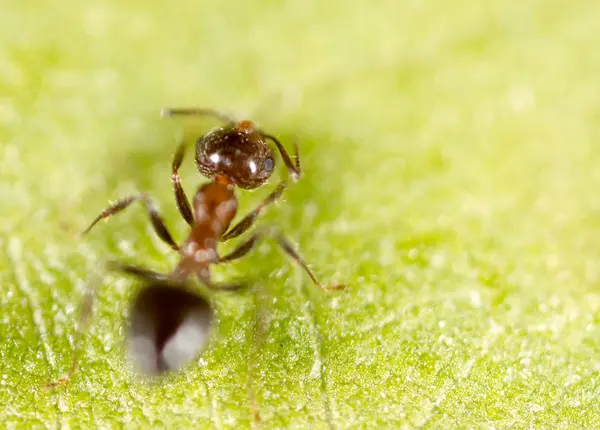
(139, 272)
(204, 277)
(85, 318)
(86, 312)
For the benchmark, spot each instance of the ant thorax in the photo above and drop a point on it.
(215, 206)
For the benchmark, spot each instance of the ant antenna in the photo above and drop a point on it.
(86, 312)
(293, 168)
(196, 112)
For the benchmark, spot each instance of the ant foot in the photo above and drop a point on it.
(332, 287)
(227, 287)
(52, 385)
(295, 176)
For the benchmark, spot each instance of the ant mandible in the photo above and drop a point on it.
(236, 154)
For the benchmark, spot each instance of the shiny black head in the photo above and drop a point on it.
(237, 152)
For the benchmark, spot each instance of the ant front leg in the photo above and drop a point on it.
(249, 219)
(183, 204)
(157, 222)
(294, 171)
(286, 246)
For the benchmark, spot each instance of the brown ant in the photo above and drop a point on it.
(234, 155)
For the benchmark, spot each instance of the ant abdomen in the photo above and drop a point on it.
(169, 327)
(237, 152)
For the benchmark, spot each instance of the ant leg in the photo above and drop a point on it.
(85, 317)
(242, 249)
(183, 204)
(289, 250)
(157, 222)
(294, 169)
(204, 277)
(169, 112)
(140, 272)
(250, 243)
(87, 313)
(249, 219)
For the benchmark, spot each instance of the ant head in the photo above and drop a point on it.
(238, 152)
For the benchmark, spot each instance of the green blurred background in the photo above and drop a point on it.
(451, 181)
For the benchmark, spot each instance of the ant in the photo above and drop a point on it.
(233, 155)
(236, 154)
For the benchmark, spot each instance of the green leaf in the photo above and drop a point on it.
(451, 181)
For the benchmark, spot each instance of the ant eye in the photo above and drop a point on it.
(269, 164)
